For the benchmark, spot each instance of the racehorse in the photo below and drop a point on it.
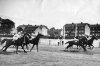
(81, 41)
(35, 41)
(77, 43)
(17, 43)
(90, 42)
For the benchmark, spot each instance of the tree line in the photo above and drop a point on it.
(6, 25)
(55, 33)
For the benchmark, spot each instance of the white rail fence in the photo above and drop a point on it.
(54, 42)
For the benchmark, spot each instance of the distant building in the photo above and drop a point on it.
(34, 29)
(78, 29)
(83, 29)
(95, 30)
(69, 30)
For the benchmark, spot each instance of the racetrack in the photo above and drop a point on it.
(51, 55)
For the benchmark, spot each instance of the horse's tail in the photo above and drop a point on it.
(2, 42)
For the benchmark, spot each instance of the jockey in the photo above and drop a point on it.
(17, 35)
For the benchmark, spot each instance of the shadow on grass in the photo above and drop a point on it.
(7, 53)
(75, 51)
(78, 52)
(12, 52)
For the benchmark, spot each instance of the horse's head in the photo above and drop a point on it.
(27, 35)
(94, 37)
(40, 35)
(77, 37)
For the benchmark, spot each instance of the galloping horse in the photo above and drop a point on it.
(80, 42)
(35, 41)
(90, 42)
(77, 43)
(17, 43)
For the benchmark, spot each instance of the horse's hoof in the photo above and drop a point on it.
(85, 50)
(25, 52)
(3, 51)
(16, 52)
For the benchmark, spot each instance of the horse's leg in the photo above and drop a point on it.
(37, 47)
(58, 43)
(83, 47)
(24, 44)
(3, 47)
(70, 45)
(89, 46)
(92, 46)
(23, 48)
(86, 44)
(32, 47)
(77, 46)
(6, 46)
(16, 49)
(27, 46)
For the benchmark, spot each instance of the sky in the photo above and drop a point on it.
(52, 13)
